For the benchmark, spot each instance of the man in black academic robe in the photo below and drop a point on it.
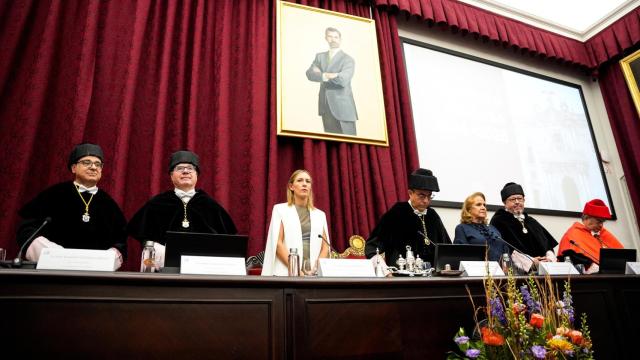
(82, 216)
(520, 229)
(411, 223)
(183, 209)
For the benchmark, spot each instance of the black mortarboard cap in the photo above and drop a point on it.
(184, 157)
(83, 150)
(423, 179)
(509, 189)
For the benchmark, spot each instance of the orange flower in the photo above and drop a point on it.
(518, 308)
(562, 331)
(491, 337)
(536, 320)
(576, 337)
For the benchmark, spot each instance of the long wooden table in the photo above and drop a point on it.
(161, 316)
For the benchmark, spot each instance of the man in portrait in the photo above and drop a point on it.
(333, 69)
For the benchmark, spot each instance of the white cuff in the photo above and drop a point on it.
(594, 268)
(551, 256)
(118, 262)
(521, 261)
(160, 249)
(41, 242)
(385, 268)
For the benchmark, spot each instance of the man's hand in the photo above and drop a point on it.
(331, 75)
(118, 261)
(41, 242)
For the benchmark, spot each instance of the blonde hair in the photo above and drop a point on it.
(290, 195)
(465, 215)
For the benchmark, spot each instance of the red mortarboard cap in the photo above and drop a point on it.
(597, 208)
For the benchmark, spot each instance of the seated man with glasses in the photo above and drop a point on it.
(82, 216)
(411, 223)
(589, 237)
(184, 208)
(521, 230)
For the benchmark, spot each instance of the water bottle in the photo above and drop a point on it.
(578, 267)
(506, 263)
(148, 262)
(294, 262)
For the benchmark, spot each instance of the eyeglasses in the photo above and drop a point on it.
(423, 196)
(88, 163)
(184, 168)
(516, 199)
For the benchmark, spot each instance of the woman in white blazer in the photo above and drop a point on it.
(296, 224)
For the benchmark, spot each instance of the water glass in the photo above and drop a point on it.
(426, 268)
(3, 254)
(307, 268)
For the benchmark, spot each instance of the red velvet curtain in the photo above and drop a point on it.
(615, 39)
(490, 26)
(145, 78)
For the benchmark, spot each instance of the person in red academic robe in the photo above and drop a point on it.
(590, 236)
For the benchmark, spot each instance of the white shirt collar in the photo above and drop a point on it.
(520, 216)
(185, 196)
(91, 190)
(415, 211)
(334, 52)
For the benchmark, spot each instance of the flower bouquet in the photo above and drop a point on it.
(531, 321)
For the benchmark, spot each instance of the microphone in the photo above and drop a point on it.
(593, 258)
(17, 262)
(324, 239)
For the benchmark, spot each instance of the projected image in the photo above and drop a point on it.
(479, 126)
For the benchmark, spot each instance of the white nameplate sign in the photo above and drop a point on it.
(556, 268)
(212, 265)
(346, 268)
(633, 268)
(77, 259)
(481, 268)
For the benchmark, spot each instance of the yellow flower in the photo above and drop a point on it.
(559, 343)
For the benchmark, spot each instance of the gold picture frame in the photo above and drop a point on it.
(314, 77)
(631, 69)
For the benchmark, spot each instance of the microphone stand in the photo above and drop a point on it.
(589, 255)
(324, 240)
(17, 262)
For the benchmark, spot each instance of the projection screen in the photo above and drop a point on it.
(481, 124)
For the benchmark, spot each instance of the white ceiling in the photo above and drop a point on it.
(577, 19)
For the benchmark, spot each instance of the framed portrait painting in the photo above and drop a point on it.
(329, 85)
(631, 69)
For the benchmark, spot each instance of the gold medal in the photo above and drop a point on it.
(85, 216)
(185, 221)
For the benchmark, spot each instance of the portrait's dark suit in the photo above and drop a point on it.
(335, 102)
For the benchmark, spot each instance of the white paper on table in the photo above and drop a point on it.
(76, 259)
(632, 268)
(212, 265)
(346, 268)
(556, 268)
(479, 268)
